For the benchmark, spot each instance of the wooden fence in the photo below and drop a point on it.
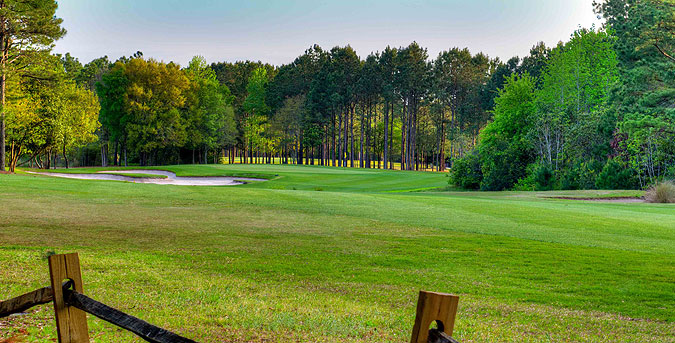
(71, 307)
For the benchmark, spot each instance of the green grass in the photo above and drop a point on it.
(321, 254)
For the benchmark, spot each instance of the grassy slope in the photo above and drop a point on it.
(281, 260)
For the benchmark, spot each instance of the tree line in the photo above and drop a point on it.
(600, 115)
(595, 111)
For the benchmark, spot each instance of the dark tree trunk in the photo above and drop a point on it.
(339, 138)
(116, 160)
(65, 156)
(369, 133)
(404, 134)
(385, 151)
(3, 88)
(441, 162)
(300, 149)
(361, 157)
(345, 140)
(104, 153)
(351, 136)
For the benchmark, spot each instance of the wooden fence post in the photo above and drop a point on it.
(71, 323)
(431, 307)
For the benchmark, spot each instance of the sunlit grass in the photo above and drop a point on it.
(280, 261)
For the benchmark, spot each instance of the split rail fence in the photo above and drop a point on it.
(71, 307)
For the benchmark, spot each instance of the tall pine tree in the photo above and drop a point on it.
(27, 30)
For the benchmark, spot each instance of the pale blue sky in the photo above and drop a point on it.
(278, 31)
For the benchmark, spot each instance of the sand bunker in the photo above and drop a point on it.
(171, 178)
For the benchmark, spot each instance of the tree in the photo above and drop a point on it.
(413, 77)
(75, 114)
(504, 147)
(93, 72)
(26, 128)
(287, 124)
(458, 81)
(574, 86)
(112, 92)
(27, 30)
(643, 102)
(388, 71)
(256, 111)
(210, 117)
(155, 98)
(49, 115)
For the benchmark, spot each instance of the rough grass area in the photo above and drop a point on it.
(280, 261)
(663, 193)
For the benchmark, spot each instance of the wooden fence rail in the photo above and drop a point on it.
(71, 306)
(23, 302)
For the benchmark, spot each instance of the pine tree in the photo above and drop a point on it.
(27, 30)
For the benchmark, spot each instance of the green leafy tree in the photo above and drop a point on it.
(210, 117)
(50, 115)
(112, 93)
(644, 99)
(75, 116)
(93, 72)
(256, 111)
(504, 146)
(155, 98)
(413, 80)
(27, 31)
(571, 124)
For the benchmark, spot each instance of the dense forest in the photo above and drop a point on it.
(596, 111)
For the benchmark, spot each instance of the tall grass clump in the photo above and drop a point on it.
(662, 192)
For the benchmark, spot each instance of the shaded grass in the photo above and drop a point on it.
(263, 261)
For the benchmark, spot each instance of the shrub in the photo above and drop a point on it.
(662, 192)
(670, 173)
(570, 178)
(539, 178)
(543, 178)
(581, 175)
(525, 184)
(616, 175)
(466, 172)
(503, 165)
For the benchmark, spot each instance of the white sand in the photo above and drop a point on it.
(171, 178)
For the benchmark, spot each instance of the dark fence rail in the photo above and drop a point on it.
(70, 305)
(141, 328)
(436, 336)
(23, 302)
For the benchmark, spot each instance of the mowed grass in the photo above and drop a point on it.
(321, 254)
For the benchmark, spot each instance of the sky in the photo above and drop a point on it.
(278, 31)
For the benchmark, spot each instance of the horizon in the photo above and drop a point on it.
(274, 33)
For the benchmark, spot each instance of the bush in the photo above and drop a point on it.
(526, 184)
(466, 172)
(503, 165)
(663, 192)
(539, 178)
(570, 178)
(581, 175)
(616, 175)
(543, 178)
(670, 173)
